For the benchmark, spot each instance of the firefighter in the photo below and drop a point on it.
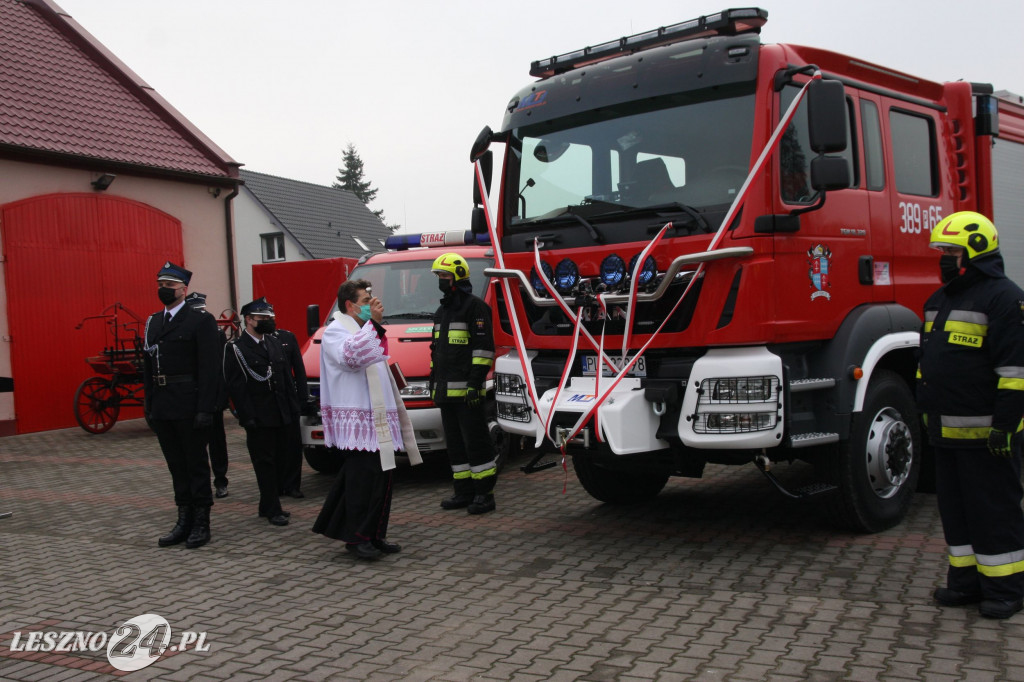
(461, 355)
(259, 381)
(180, 379)
(218, 445)
(971, 395)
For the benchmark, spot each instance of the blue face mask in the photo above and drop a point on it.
(364, 313)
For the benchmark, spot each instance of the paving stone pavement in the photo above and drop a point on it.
(716, 579)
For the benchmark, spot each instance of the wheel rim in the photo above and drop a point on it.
(889, 453)
(97, 406)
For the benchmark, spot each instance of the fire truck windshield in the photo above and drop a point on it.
(689, 155)
(408, 289)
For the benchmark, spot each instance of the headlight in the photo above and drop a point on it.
(613, 270)
(416, 389)
(647, 272)
(567, 276)
(535, 278)
(740, 389)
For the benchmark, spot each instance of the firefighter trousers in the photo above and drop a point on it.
(979, 498)
(470, 449)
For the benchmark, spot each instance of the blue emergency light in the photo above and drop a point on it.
(401, 242)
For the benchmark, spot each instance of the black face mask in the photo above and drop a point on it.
(948, 268)
(265, 327)
(445, 285)
(167, 295)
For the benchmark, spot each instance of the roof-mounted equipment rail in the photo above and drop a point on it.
(728, 22)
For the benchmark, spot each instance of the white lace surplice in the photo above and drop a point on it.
(344, 395)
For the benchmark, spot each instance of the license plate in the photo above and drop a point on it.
(639, 369)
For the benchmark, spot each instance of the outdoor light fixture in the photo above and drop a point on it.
(104, 181)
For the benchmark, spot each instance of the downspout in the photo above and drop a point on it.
(232, 292)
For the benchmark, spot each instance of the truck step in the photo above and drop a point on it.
(801, 385)
(807, 440)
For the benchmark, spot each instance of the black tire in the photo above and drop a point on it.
(617, 487)
(877, 468)
(507, 446)
(322, 460)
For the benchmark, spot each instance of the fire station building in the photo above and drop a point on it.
(101, 181)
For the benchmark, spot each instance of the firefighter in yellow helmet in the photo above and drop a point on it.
(461, 355)
(971, 394)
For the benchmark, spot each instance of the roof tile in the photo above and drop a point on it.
(323, 219)
(57, 98)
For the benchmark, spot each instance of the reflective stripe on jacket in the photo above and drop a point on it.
(462, 350)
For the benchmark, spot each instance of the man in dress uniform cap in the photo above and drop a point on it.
(259, 381)
(218, 445)
(180, 380)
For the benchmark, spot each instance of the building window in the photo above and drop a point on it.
(361, 243)
(273, 247)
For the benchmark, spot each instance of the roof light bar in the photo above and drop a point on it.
(401, 242)
(726, 22)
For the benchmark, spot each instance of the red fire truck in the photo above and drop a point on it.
(403, 281)
(714, 250)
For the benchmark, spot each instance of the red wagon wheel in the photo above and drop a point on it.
(96, 405)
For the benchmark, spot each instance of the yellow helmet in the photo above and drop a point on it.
(453, 264)
(972, 231)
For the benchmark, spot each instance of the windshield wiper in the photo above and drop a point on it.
(410, 316)
(568, 213)
(673, 207)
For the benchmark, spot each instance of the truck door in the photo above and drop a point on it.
(917, 200)
(821, 267)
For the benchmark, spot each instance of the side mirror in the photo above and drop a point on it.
(829, 173)
(487, 167)
(480, 145)
(826, 116)
(478, 224)
(312, 319)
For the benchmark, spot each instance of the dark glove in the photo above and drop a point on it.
(474, 396)
(310, 407)
(999, 443)
(203, 420)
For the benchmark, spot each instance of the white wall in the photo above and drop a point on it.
(251, 221)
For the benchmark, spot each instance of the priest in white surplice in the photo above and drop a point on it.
(364, 420)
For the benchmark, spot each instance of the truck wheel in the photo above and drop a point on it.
(322, 459)
(617, 487)
(877, 469)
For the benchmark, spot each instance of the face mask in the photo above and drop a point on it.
(445, 285)
(948, 267)
(167, 295)
(265, 327)
(364, 312)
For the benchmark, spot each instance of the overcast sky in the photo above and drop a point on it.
(284, 86)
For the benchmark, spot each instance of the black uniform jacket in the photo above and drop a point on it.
(971, 373)
(258, 402)
(462, 350)
(290, 344)
(181, 365)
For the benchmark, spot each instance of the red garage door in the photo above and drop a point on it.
(67, 257)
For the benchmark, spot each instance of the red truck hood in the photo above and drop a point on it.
(408, 345)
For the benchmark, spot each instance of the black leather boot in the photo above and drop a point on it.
(181, 529)
(200, 534)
